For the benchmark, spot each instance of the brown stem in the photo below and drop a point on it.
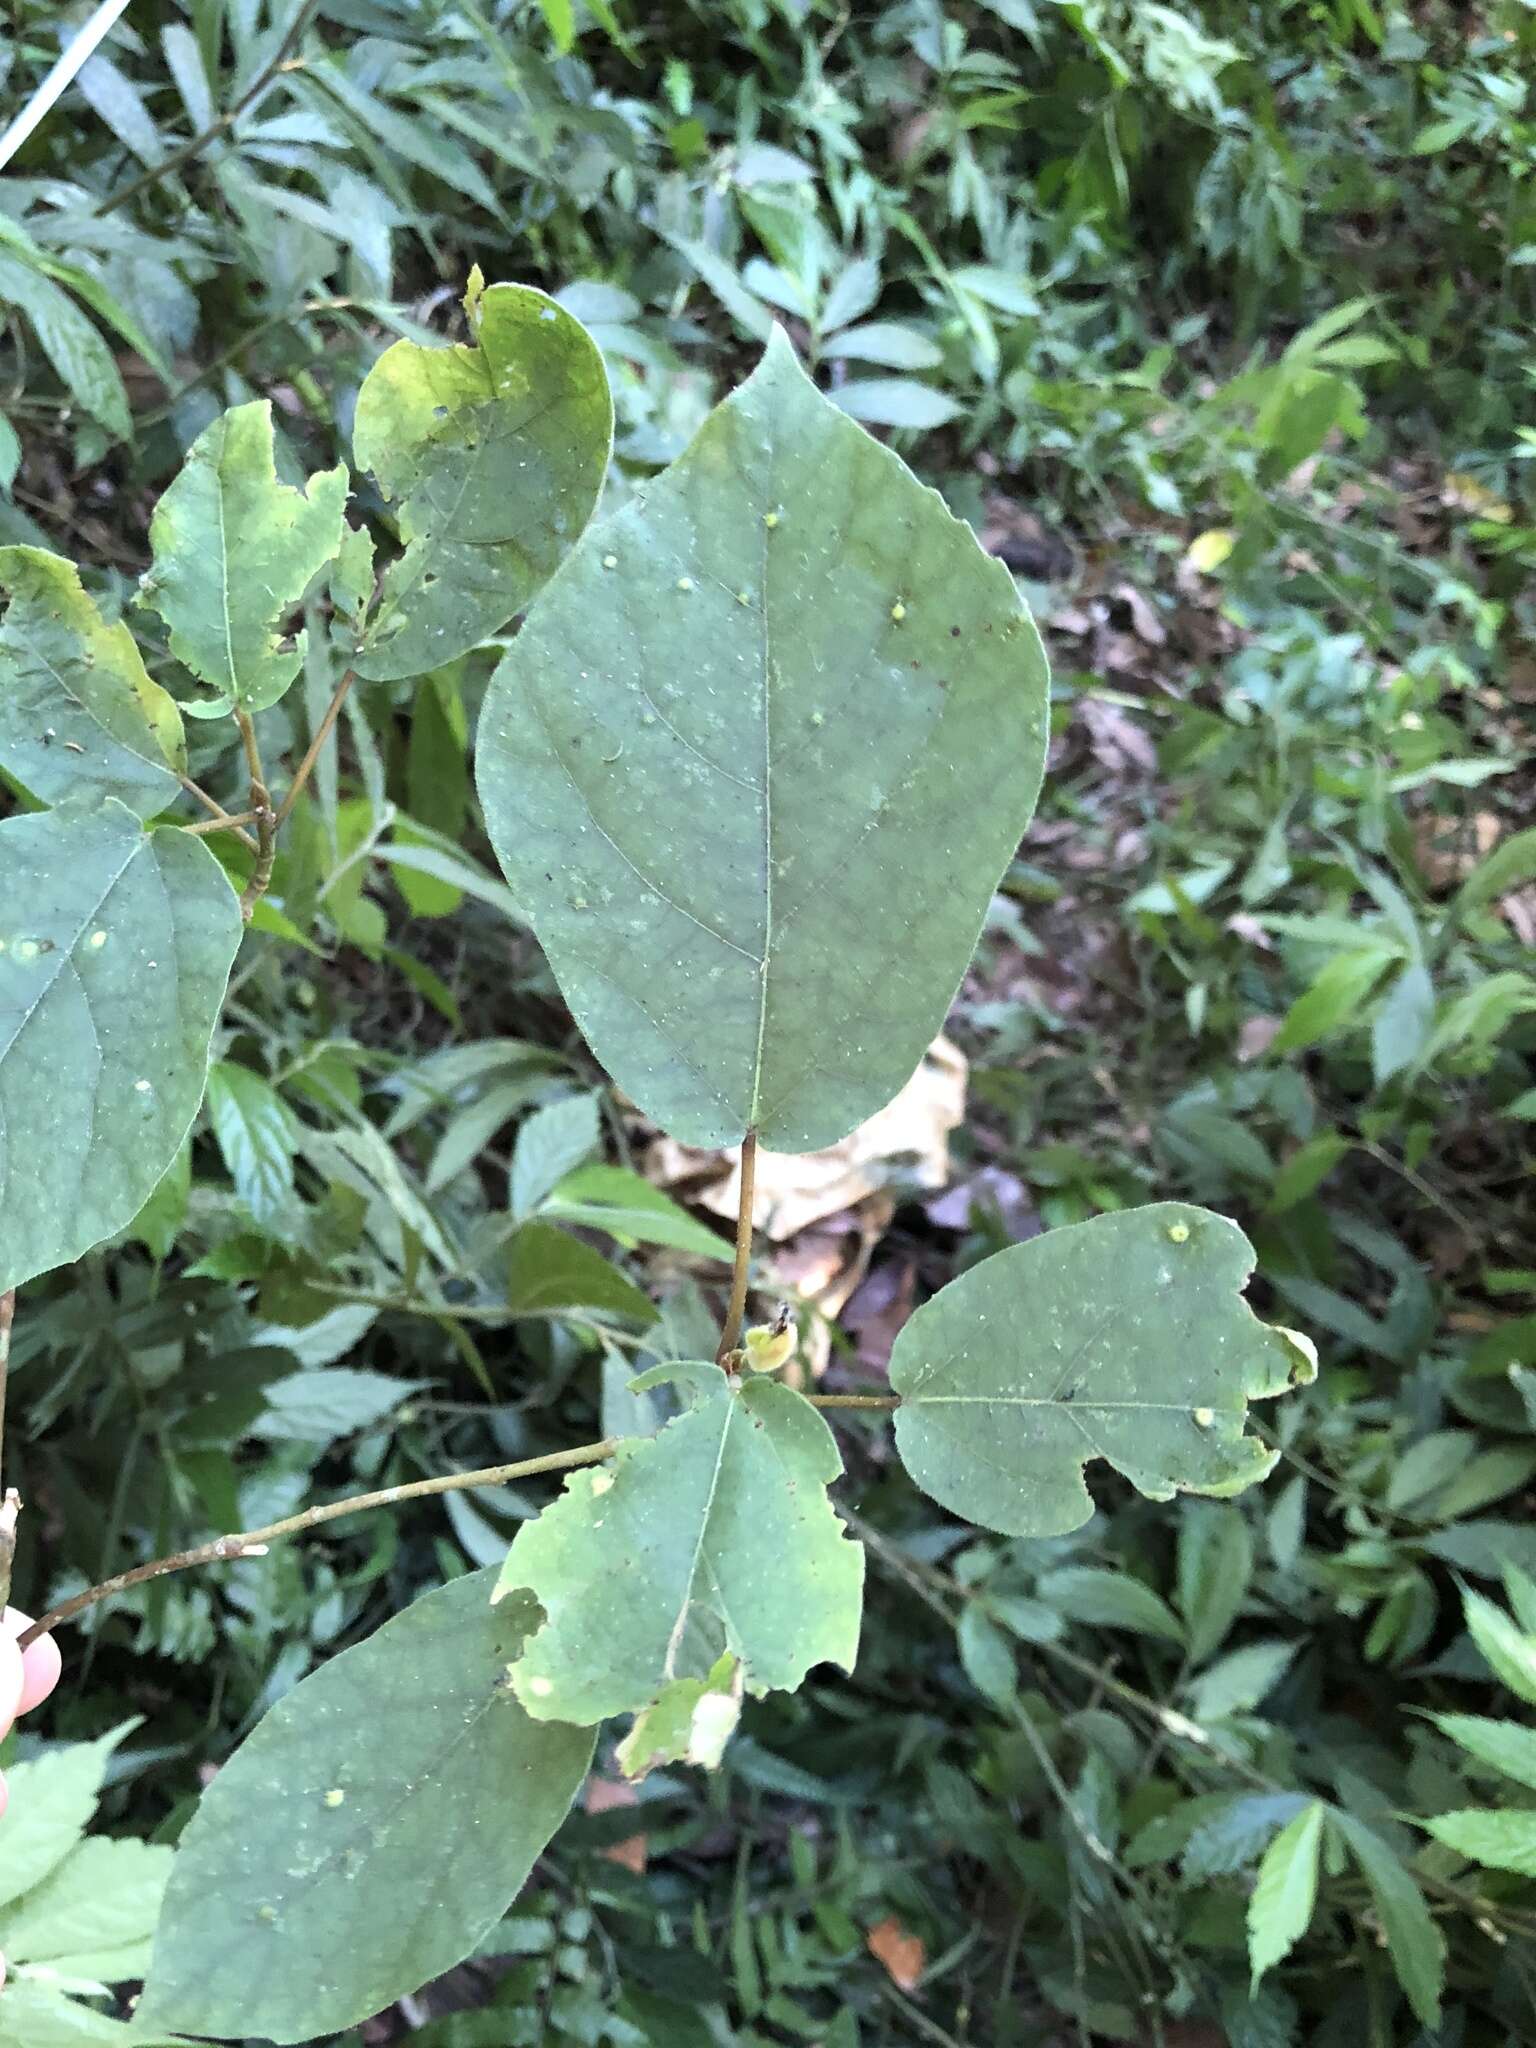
(220, 824)
(220, 816)
(276, 63)
(886, 1402)
(224, 1549)
(738, 1302)
(312, 752)
(266, 819)
(10, 1502)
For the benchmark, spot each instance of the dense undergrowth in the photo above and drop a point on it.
(1217, 322)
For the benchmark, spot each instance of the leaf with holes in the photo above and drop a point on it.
(715, 1535)
(234, 552)
(341, 1858)
(79, 715)
(1125, 1339)
(755, 764)
(496, 453)
(115, 949)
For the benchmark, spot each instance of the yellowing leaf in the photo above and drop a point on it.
(1208, 550)
(902, 1954)
(496, 453)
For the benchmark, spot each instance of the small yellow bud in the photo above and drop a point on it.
(1178, 1233)
(770, 1345)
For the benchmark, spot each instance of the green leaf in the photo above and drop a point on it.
(987, 1655)
(625, 1206)
(382, 1817)
(496, 454)
(1280, 1910)
(78, 353)
(549, 1272)
(896, 402)
(1333, 999)
(51, 1803)
(1126, 1338)
(1109, 1600)
(1509, 1651)
(34, 2015)
(234, 552)
(1414, 1940)
(778, 686)
(1235, 1684)
(115, 949)
(549, 1144)
(715, 1535)
(1503, 1744)
(884, 342)
(318, 1407)
(1499, 1841)
(1215, 1565)
(79, 715)
(255, 1136)
(92, 1917)
(690, 1721)
(561, 18)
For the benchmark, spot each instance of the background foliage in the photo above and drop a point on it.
(1216, 321)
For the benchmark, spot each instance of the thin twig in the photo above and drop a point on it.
(739, 1271)
(7, 1317)
(219, 824)
(312, 753)
(225, 1549)
(266, 819)
(276, 63)
(10, 1501)
(216, 810)
(887, 1402)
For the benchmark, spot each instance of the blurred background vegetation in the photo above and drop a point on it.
(1216, 320)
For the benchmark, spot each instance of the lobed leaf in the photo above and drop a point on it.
(715, 1535)
(753, 790)
(115, 949)
(234, 552)
(79, 714)
(1126, 1339)
(381, 1818)
(496, 453)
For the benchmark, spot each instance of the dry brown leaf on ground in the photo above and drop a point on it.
(604, 1795)
(902, 1954)
(796, 1189)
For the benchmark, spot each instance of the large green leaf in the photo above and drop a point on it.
(496, 453)
(234, 551)
(1125, 1339)
(379, 1820)
(754, 765)
(715, 1535)
(115, 948)
(79, 715)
